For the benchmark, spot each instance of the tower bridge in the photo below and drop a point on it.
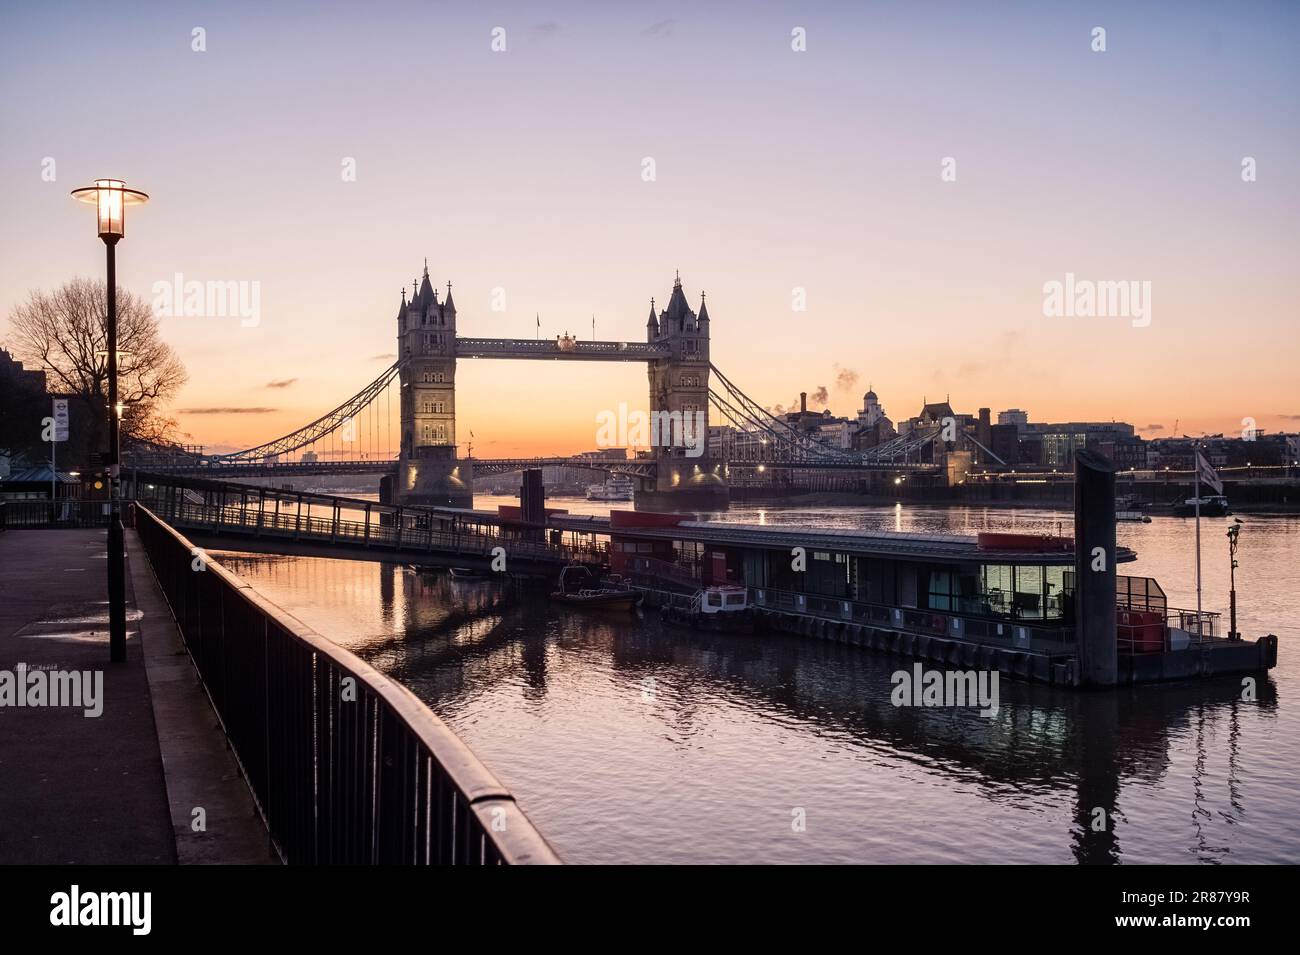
(684, 387)
(676, 352)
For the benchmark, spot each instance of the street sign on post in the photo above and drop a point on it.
(60, 419)
(60, 433)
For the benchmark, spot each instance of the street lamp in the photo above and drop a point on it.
(110, 198)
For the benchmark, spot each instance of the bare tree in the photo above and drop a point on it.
(63, 332)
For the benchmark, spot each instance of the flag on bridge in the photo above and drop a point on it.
(1206, 474)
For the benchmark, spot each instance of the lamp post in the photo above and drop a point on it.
(110, 198)
(1233, 531)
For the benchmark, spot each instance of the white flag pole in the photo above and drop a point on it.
(1197, 500)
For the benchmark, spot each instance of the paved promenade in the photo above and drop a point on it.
(120, 787)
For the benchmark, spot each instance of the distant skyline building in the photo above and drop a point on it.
(1013, 416)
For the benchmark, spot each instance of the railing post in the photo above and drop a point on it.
(297, 519)
(367, 534)
(334, 522)
(261, 504)
(397, 535)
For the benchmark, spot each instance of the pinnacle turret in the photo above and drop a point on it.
(428, 297)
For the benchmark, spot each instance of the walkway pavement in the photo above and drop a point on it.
(119, 787)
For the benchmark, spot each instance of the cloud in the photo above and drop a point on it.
(549, 28)
(282, 383)
(1154, 427)
(660, 28)
(227, 410)
(820, 397)
(383, 357)
(999, 355)
(845, 378)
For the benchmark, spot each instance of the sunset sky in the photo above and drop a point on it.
(775, 169)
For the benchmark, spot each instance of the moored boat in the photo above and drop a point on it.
(1136, 517)
(618, 488)
(579, 587)
(1212, 505)
(721, 608)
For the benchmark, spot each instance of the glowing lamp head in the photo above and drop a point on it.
(110, 198)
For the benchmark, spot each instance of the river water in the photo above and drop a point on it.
(627, 741)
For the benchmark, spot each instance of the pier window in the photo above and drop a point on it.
(1029, 592)
(1054, 593)
(997, 586)
(828, 574)
(942, 590)
(876, 581)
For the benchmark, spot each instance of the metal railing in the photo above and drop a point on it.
(652, 570)
(64, 513)
(345, 765)
(414, 531)
(1009, 633)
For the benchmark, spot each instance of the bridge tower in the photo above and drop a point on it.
(679, 395)
(428, 471)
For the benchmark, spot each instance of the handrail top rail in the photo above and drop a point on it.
(464, 768)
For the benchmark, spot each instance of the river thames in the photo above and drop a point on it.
(628, 741)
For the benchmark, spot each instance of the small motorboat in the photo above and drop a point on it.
(1213, 505)
(465, 573)
(722, 608)
(579, 587)
(1135, 517)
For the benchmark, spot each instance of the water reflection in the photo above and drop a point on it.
(626, 740)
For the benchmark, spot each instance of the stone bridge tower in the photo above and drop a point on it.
(679, 400)
(428, 472)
